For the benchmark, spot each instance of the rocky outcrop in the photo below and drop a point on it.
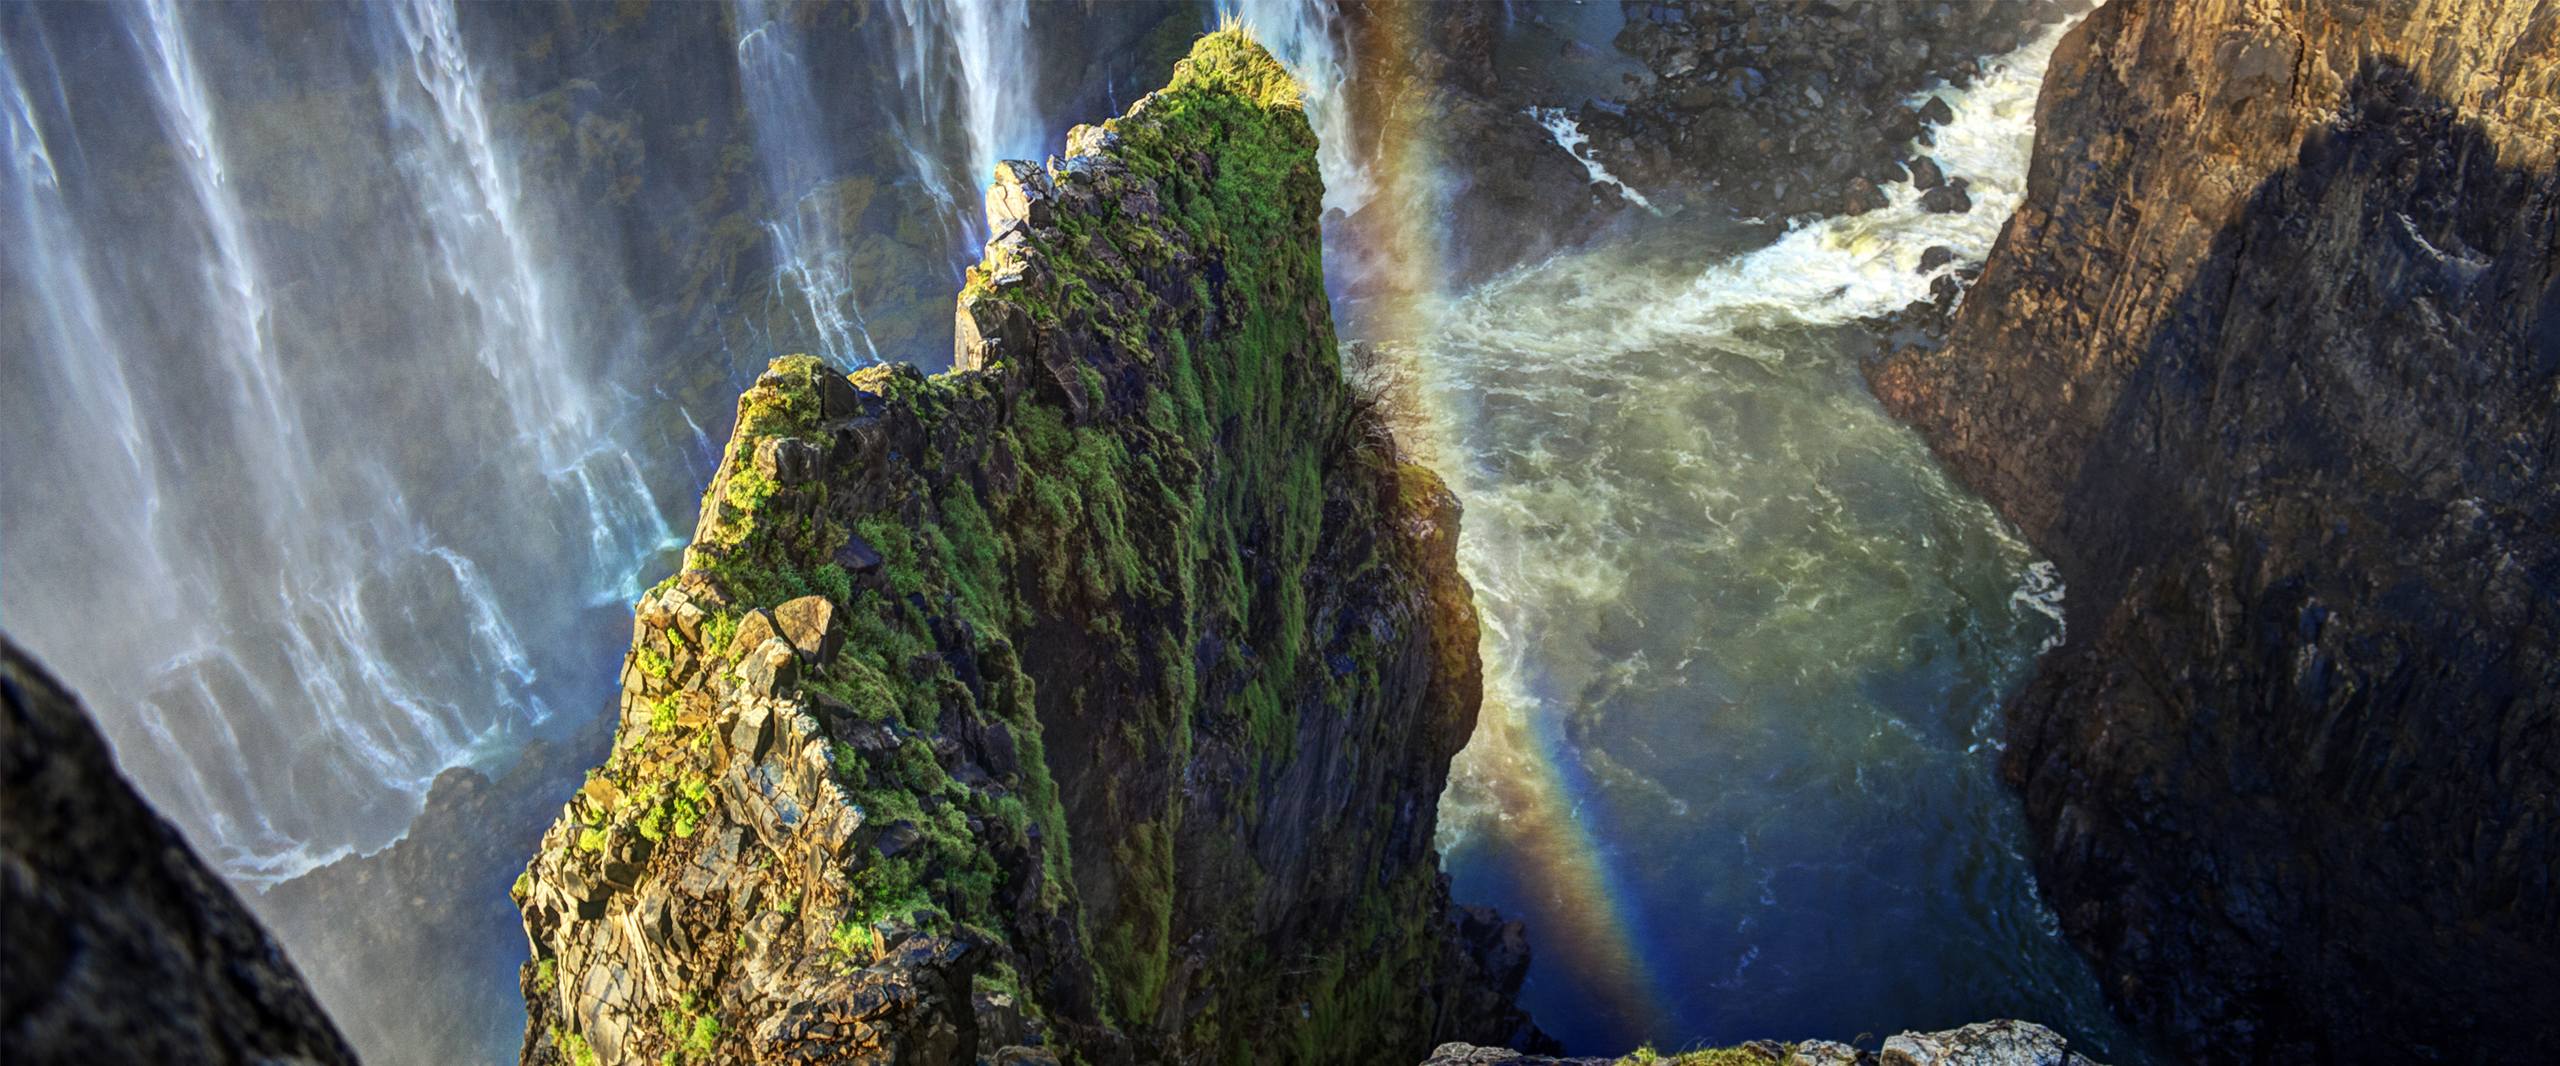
(122, 945)
(1795, 108)
(1997, 1043)
(2268, 362)
(1089, 701)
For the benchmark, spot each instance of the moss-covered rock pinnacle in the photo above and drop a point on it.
(1092, 700)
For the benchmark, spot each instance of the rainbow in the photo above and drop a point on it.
(1369, 80)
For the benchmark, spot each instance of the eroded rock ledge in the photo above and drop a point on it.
(1994, 1043)
(1092, 700)
(2268, 361)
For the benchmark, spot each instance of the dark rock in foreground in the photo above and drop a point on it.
(2268, 362)
(122, 946)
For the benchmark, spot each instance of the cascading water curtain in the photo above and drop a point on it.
(288, 620)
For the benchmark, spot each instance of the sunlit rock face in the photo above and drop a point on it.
(1092, 699)
(122, 945)
(2267, 362)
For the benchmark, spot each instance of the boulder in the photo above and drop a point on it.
(754, 629)
(1861, 197)
(1948, 199)
(809, 625)
(1021, 194)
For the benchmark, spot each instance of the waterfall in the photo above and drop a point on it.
(994, 39)
(969, 64)
(799, 164)
(483, 249)
(252, 474)
(1307, 36)
(239, 296)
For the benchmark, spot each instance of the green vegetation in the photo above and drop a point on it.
(1741, 1055)
(1140, 497)
(574, 1046)
(695, 1030)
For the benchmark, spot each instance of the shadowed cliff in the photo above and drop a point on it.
(122, 945)
(2267, 362)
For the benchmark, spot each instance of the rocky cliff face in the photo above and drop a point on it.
(1092, 700)
(2268, 361)
(122, 945)
(1794, 108)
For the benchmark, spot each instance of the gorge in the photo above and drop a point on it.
(1463, 528)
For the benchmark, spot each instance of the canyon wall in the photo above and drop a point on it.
(1794, 108)
(2268, 363)
(123, 946)
(1093, 699)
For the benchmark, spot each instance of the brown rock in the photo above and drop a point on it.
(754, 628)
(2266, 362)
(809, 624)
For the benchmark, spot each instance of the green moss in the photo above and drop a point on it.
(694, 1028)
(1165, 542)
(1744, 1055)
(573, 1046)
(1137, 950)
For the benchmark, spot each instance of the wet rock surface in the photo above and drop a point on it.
(2267, 363)
(1995, 1043)
(122, 945)
(1774, 104)
(1506, 190)
(1090, 702)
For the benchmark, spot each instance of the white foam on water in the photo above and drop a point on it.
(2040, 592)
(1569, 136)
(1586, 444)
(1840, 268)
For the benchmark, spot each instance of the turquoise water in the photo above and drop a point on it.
(1745, 642)
(1746, 649)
